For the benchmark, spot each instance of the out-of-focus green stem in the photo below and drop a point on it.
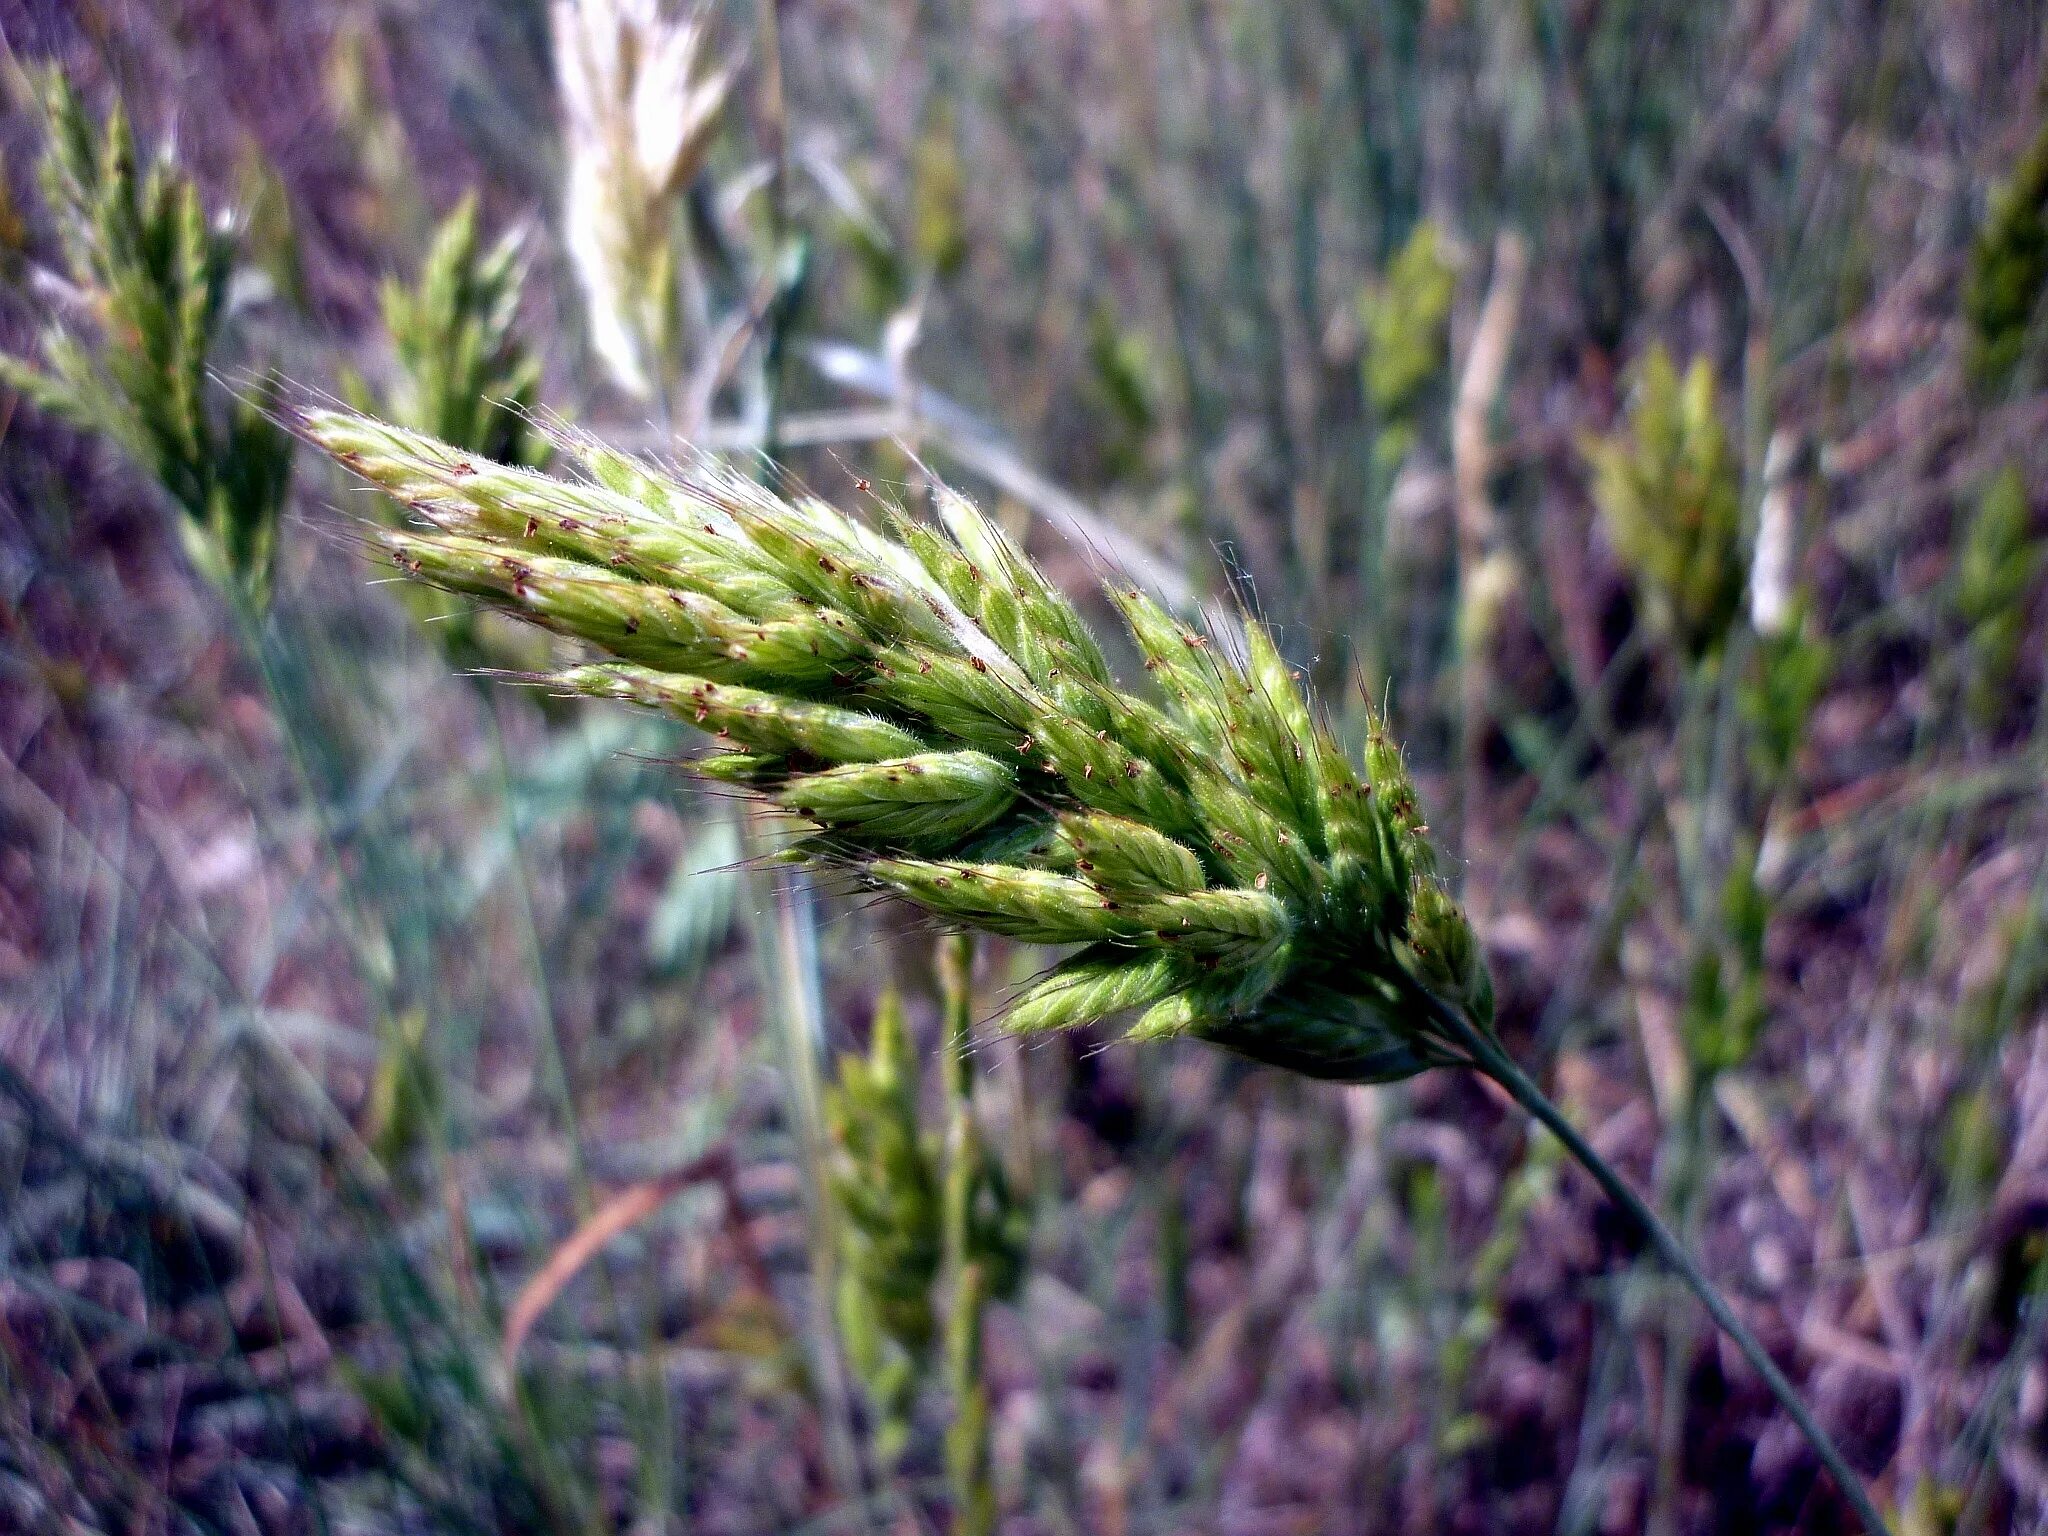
(967, 1447)
(1489, 1057)
(786, 939)
(956, 995)
(1683, 1153)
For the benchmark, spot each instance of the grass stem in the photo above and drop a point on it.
(967, 1437)
(1488, 1057)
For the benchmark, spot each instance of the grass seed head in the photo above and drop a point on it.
(642, 99)
(2008, 271)
(940, 715)
(1668, 486)
(463, 373)
(131, 359)
(885, 1183)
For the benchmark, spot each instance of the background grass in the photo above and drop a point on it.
(336, 989)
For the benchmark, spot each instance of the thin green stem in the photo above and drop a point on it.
(269, 646)
(967, 1437)
(786, 943)
(582, 1189)
(1683, 1154)
(1488, 1057)
(775, 124)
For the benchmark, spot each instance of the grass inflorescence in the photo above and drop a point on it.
(1669, 490)
(136, 331)
(939, 719)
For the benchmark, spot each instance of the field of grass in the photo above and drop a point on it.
(429, 1105)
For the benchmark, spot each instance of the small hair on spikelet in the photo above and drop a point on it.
(943, 722)
(936, 714)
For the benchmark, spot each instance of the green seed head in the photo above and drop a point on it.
(1668, 486)
(938, 713)
(884, 1180)
(133, 354)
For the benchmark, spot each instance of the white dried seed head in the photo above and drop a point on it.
(639, 106)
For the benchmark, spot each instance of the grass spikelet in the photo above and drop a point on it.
(933, 800)
(967, 703)
(1243, 924)
(688, 543)
(1030, 904)
(1097, 984)
(1050, 638)
(760, 722)
(1126, 860)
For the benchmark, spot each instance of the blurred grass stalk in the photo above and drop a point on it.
(649, 1423)
(785, 937)
(967, 1280)
(1488, 573)
(1699, 526)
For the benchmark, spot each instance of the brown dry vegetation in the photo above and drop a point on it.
(337, 988)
